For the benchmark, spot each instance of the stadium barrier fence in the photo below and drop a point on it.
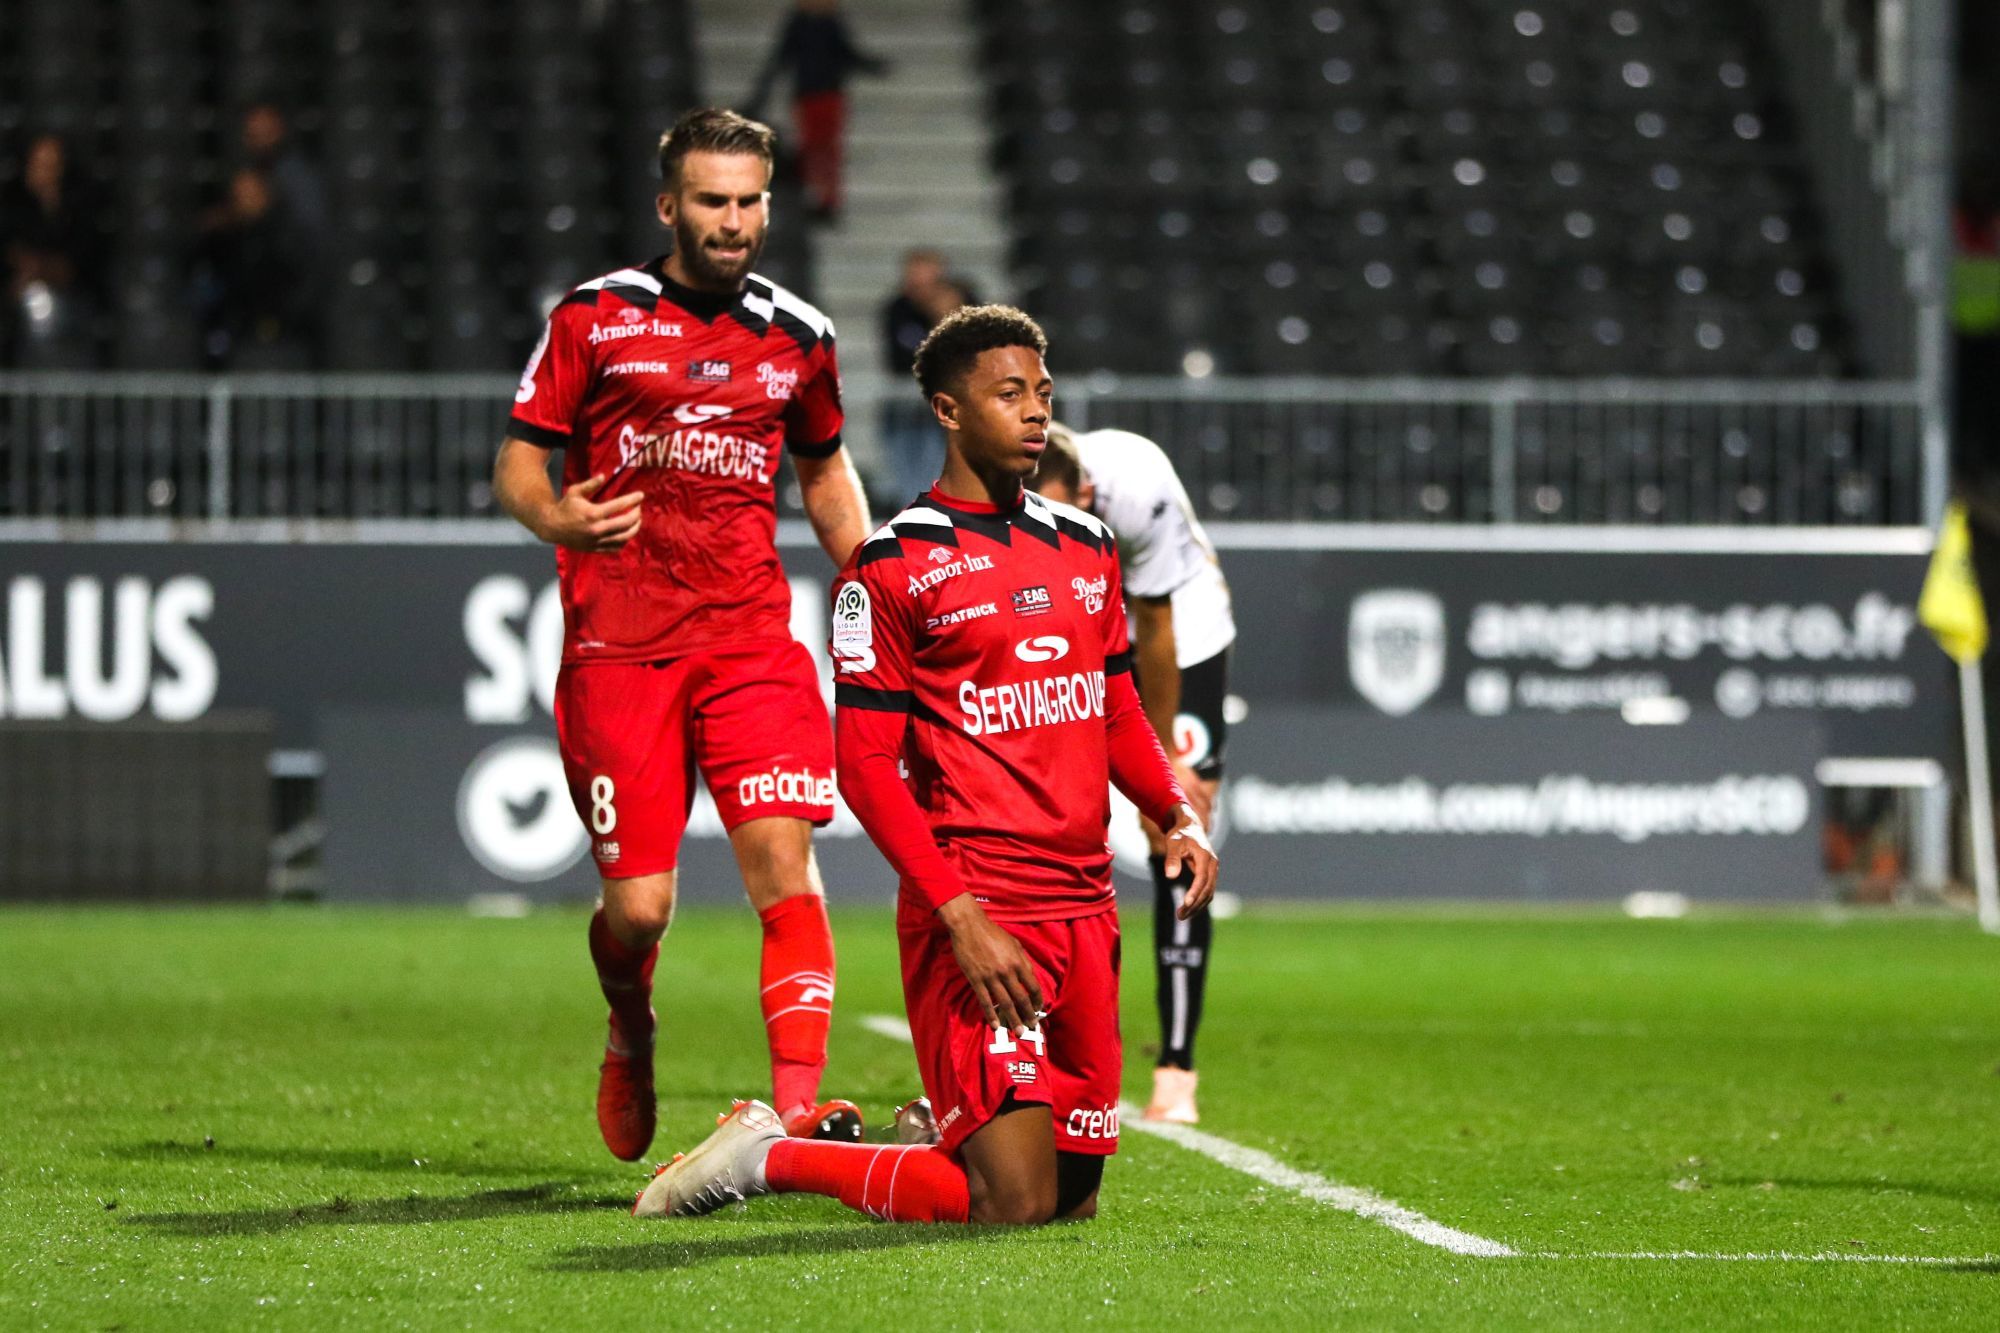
(262, 447)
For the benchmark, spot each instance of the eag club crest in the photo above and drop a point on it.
(1395, 648)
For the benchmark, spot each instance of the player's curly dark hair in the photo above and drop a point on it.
(711, 129)
(955, 344)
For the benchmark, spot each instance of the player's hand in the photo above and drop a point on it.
(581, 524)
(995, 964)
(1188, 849)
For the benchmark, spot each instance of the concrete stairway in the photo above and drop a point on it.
(917, 165)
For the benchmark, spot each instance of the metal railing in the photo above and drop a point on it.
(249, 447)
(256, 448)
(1533, 451)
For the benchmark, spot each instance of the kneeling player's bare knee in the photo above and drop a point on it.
(1023, 1204)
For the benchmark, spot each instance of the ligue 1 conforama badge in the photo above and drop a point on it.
(514, 811)
(853, 629)
(1395, 648)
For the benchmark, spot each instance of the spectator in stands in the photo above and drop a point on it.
(909, 433)
(295, 183)
(255, 312)
(816, 48)
(48, 229)
(908, 317)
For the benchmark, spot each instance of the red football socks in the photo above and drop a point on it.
(797, 979)
(896, 1184)
(625, 974)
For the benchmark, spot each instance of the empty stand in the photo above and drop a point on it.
(1544, 187)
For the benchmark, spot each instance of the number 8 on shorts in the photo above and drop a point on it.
(603, 817)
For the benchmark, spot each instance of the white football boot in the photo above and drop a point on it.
(1173, 1097)
(726, 1167)
(915, 1122)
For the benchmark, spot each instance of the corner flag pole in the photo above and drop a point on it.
(1979, 796)
(1952, 609)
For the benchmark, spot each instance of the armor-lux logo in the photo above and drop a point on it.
(605, 333)
(930, 578)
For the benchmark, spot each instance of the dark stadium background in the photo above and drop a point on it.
(1561, 316)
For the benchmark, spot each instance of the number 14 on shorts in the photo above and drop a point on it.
(1005, 1044)
(1021, 1071)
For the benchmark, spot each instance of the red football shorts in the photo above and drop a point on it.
(633, 734)
(1071, 1064)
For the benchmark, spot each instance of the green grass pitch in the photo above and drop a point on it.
(313, 1117)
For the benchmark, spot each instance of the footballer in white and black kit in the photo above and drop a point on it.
(1182, 630)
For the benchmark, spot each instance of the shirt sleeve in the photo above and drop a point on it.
(873, 638)
(1111, 620)
(553, 385)
(1164, 556)
(813, 418)
(1139, 766)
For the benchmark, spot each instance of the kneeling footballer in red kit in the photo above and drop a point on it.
(984, 705)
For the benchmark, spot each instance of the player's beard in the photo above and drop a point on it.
(704, 267)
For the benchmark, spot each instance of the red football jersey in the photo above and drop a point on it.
(687, 397)
(995, 632)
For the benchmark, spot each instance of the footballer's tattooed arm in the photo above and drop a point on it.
(834, 502)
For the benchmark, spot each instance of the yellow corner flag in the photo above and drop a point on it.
(1950, 607)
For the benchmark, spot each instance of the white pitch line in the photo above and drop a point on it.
(888, 1025)
(1264, 1167)
(1347, 1198)
(1368, 1204)
(1785, 1257)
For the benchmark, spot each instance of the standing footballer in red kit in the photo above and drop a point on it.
(672, 389)
(984, 705)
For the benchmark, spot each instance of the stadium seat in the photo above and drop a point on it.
(1434, 163)
(413, 115)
